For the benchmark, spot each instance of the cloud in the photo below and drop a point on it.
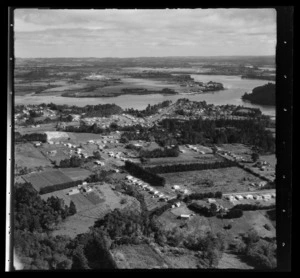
(182, 29)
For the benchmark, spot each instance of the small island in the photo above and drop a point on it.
(263, 95)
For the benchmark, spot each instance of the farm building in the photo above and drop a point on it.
(249, 196)
(185, 216)
(73, 191)
(176, 187)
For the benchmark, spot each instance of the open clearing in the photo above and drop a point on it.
(76, 173)
(232, 261)
(271, 159)
(230, 179)
(91, 208)
(137, 256)
(26, 155)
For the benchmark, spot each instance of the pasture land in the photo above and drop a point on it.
(56, 152)
(232, 261)
(91, 207)
(41, 129)
(231, 179)
(185, 158)
(76, 173)
(79, 138)
(137, 257)
(271, 159)
(26, 155)
(238, 149)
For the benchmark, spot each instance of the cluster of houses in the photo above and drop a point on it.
(238, 197)
(259, 184)
(234, 156)
(81, 188)
(148, 188)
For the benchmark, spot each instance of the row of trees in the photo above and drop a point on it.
(247, 207)
(201, 196)
(144, 174)
(190, 167)
(31, 137)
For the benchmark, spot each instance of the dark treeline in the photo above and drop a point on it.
(55, 187)
(190, 167)
(166, 152)
(143, 174)
(31, 137)
(222, 131)
(149, 110)
(246, 207)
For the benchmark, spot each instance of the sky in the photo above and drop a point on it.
(144, 33)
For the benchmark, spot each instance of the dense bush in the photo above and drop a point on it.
(221, 131)
(264, 95)
(233, 213)
(34, 214)
(143, 174)
(259, 252)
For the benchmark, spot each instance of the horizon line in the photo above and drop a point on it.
(131, 57)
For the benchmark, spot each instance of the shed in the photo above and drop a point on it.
(185, 216)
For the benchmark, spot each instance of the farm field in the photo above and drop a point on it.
(238, 149)
(231, 179)
(60, 152)
(42, 128)
(185, 158)
(26, 155)
(76, 173)
(137, 257)
(46, 178)
(78, 138)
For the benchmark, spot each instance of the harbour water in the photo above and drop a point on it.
(235, 88)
